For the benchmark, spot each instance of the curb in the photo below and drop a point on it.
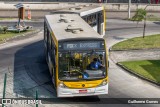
(111, 50)
(21, 36)
(138, 75)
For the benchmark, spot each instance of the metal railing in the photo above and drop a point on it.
(4, 91)
(4, 87)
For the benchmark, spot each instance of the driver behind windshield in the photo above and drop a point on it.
(95, 64)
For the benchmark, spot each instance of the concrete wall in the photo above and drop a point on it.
(37, 6)
(52, 6)
(124, 7)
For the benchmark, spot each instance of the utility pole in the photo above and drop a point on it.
(129, 9)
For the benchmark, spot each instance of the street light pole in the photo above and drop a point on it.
(129, 9)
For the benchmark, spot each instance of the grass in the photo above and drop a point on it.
(147, 68)
(10, 35)
(7, 18)
(149, 42)
(154, 19)
(1, 19)
(149, 18)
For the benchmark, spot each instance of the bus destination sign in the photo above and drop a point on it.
(82, 45)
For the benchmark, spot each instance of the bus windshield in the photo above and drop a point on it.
(82, 65)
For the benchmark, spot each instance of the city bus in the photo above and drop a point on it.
(71, 47)
(94, 15)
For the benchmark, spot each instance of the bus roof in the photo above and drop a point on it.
(74, 29)
(82, 10)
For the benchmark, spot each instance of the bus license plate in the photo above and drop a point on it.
(82, 91)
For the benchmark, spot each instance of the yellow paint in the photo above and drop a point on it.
(106, 58)
(88, 84)
(104, 17)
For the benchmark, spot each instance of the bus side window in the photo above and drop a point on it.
(84, 18)
(48, 38)
(53, 52)
(101, 17)
(50, 41)
(49, 45)
(45, 32)
(45, 37)
(53, 57)
(48, 49)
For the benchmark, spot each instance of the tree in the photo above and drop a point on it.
(140, 15)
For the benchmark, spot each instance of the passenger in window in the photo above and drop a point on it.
(95, 64)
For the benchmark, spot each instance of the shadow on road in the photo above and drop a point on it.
(122, 28)
(31, 72)
(118, 38)
(157, 23)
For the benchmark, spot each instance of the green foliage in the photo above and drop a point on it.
(3, 29)
(149, 69)
(148, 42)
(153, 18)
(139, 15)
(9, 34)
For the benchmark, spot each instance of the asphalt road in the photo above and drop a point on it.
(119, 30)
(25, 64)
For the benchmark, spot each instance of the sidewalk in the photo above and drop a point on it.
(129, 55)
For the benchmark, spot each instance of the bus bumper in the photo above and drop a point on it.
(68, 92)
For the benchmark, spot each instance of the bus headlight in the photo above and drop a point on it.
(104, 82)
(62, 85)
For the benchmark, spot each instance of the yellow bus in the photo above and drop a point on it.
(76, 55)
(94, 15)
